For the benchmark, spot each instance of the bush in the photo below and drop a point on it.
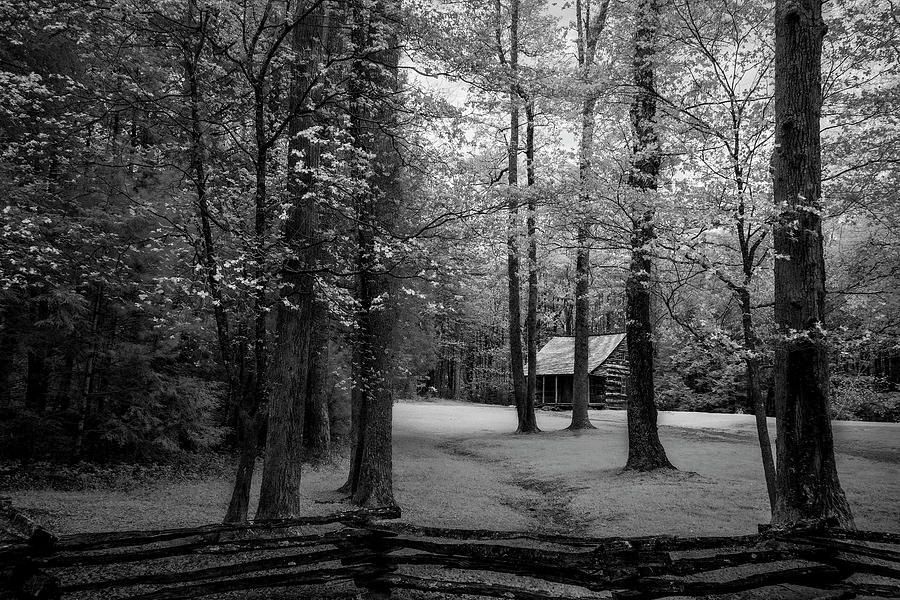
(859, 398)
(672, 393)
(695, 379)
(162, 418)
(175, 415)
(119, 476)
(25, 435)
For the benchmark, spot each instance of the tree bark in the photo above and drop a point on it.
(748, 249)
(807, 479)
(372, 120)
(581, 377)
(253, 385)
(589, 29)
(528, 424)
(754, 390)
(260, 308)
(645, 451)
(87, 382)
(242, 397)
(372, 477)
(516, 361)
(247, 433)
(279, 495)
(580, 380)
(198, 172)
(349, 486)
(317, 429)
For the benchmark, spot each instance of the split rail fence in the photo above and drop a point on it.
(345, 554)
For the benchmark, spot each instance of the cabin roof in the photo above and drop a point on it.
(557, 357)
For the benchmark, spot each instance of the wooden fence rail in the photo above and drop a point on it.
(334, 556)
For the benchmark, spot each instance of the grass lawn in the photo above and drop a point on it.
(458, 465)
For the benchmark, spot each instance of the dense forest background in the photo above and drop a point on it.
(150, 156)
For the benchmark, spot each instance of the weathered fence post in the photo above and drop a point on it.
(25, 578)
(28, 581)
(376, 562)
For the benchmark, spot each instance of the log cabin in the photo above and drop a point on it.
(607, 371)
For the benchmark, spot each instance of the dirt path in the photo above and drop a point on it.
(545, 501)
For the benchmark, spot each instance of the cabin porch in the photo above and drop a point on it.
(556, 391)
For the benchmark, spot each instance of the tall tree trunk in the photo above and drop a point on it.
(253, 386)
(254, 396)
(279, 495)
(317, 429)
(529, 423)
(192, 50)
(356, 437)
(516, 366)
(808, 485)
(754, 390)
(87, 382)
(373, 481)
(373, 119)
(645, 451)
(580, 379)
(748, 249)
(260, 308)
(247, 433)
(589, 29)
(241, 398)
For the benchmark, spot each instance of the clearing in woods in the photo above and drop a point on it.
(459, 465)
